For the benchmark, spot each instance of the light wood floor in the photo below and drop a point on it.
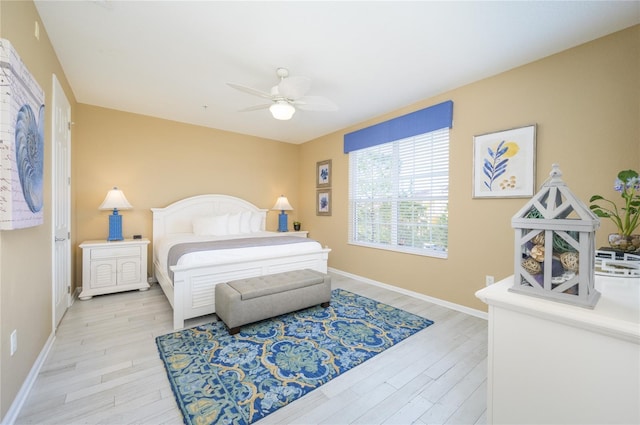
(104, 369)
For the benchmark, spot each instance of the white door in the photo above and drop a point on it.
(61, 194)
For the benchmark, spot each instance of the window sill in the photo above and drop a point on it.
(413, 251)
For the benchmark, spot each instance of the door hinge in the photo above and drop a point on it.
(68, 289)
(68, 125)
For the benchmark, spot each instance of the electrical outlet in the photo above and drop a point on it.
(489, 280)
(14, 341)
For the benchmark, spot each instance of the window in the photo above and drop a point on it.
(398, 194)
(399, 182)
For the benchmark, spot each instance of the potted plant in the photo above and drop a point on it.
(296, 225)
(627, 217)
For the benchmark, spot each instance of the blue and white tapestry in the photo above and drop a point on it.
(21, 143)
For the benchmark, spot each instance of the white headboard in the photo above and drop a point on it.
(178, 217)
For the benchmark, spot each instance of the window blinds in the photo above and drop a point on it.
(398, 194)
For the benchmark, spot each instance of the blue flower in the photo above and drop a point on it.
(324, 174)
(626, 218)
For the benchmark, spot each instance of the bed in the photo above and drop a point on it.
(201, 241)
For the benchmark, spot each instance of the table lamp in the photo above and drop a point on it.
(115, 201)
(283, 205)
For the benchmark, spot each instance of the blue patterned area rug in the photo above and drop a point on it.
(222, 379)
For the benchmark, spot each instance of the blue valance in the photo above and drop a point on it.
(419, 122)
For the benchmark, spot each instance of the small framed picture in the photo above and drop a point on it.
(504, 163)
(323, 173)
(323, 202)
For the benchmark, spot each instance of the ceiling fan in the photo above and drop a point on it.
(286, 96)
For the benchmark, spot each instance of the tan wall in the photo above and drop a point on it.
(156, 162)
(586, 104)
(25, 254)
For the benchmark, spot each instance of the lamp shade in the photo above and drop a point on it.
(282, 204)
(115, 199)
(282, 110)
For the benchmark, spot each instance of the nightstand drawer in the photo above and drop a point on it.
(113, 252)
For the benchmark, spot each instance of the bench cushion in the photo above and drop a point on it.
(261, 286)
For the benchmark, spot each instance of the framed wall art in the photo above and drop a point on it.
(323, 202)
(21, 143)
(323, 173)
(504, 163)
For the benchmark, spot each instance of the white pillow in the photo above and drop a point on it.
(255, 223)
(233, 224)
(245, 222)
(211, 225)
(201, 226)
(220, 225)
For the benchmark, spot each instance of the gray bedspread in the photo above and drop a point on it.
(180, 249)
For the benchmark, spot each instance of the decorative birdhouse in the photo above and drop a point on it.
(555, 246)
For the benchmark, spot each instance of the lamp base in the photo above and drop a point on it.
(282, 222)
(115, 227)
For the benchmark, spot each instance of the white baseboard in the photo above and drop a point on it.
(21, 397)
(443, 303)
(74, 296)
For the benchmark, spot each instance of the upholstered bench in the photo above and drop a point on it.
(244, 301)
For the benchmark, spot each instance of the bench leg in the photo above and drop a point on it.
(234, 331)
(325, 305)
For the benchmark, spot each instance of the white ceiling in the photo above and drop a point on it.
(169, 59)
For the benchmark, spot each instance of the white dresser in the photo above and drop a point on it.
(114, 266)
(554, 363)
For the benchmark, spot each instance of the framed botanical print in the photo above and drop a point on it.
(504, 163)
(323, 173)
(323, 202)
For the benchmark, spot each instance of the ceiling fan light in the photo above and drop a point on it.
(282, 110)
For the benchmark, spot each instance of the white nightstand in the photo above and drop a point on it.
(115, 266)
(299, 233)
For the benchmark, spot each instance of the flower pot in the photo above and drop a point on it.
(629, 243)
(296, 226)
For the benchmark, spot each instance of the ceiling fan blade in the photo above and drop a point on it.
(249, 90)
(294, 87)
(315, 103)
(256, 107)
